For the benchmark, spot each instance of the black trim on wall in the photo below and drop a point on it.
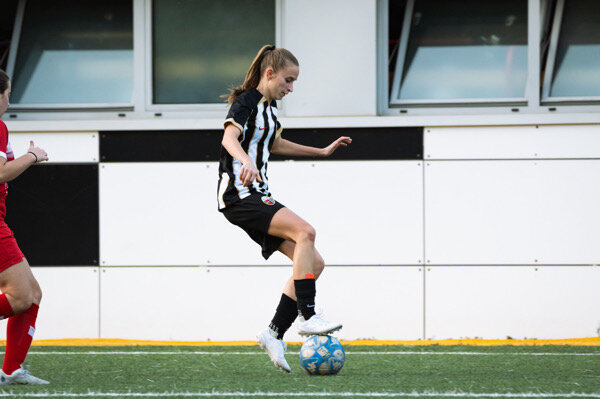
(53, 211)
(160, 146)
(389, 143)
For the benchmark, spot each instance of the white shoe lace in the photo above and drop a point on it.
(25, 375)
(317, 325)
(320, 321)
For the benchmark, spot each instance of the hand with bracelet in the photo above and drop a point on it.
(39, 154)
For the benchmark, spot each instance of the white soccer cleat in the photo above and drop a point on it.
(316, 325)
(275, 348)
(20, 376)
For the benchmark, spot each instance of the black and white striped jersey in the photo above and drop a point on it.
(257, 120)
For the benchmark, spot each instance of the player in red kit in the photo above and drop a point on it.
(21, 293)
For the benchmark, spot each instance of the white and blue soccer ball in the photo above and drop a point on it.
(322, 355)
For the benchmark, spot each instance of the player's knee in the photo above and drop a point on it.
(319, 265)
(307, 234)
(22, 301)
(37, 294)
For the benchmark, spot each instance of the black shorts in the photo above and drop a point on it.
(253, 214)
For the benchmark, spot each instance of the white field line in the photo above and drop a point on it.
(297, 353)
(425, 394)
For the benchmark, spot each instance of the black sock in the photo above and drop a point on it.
(286, 313)
(305, 294)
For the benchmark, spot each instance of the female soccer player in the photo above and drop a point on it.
(21, 293)
(252, 132)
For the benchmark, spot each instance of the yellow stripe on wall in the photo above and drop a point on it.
(592, 341)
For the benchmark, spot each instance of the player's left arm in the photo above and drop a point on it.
(11, 170)
(285, 147)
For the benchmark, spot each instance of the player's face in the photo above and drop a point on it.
(4, 100)
(282, 82)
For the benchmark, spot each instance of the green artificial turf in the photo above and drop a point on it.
(424, 371)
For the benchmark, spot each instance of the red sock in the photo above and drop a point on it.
(6, 310)
(19, 334)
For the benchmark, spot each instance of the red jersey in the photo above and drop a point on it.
(10, 254)
(7, 153)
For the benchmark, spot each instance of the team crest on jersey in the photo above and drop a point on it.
(268, 200)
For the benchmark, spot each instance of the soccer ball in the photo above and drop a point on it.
(322, 355)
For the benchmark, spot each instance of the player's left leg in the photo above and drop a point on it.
(20, 327)
(286, 224)
(271, 338)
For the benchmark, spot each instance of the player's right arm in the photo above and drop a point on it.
(11, 170)
(230, 142)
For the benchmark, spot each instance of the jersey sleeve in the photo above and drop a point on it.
(238, 114)
(278, 130)
(3, 140)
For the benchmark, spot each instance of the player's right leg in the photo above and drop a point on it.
(19, 302)
(287, 248)
(17, 293)
(316, 325)
(288, 225)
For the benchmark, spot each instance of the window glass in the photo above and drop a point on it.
(203, 47)
(395, 16)
(465, 50)
(577, 65)
(7, 18)
(75, 52)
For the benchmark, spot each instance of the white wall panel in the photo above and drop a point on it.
(151, 214)
(493, 142)
(569, 141)
(512, 212)
(365, 213)
(374, 302)
(492, 302)
(335, 43)
(194, 304)
(61, 147)
(159, 303)
(234, 303)
(166, 214)
(69, 308)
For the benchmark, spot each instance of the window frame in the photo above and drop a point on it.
(537, 100)
(149, 89)
(538, 22)
(142, 96)
(16, 37)
(551, 63)
(43, 107)
(400, 65)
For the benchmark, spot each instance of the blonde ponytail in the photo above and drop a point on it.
(268, 56)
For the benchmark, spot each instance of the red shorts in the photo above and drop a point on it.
(10, 254)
